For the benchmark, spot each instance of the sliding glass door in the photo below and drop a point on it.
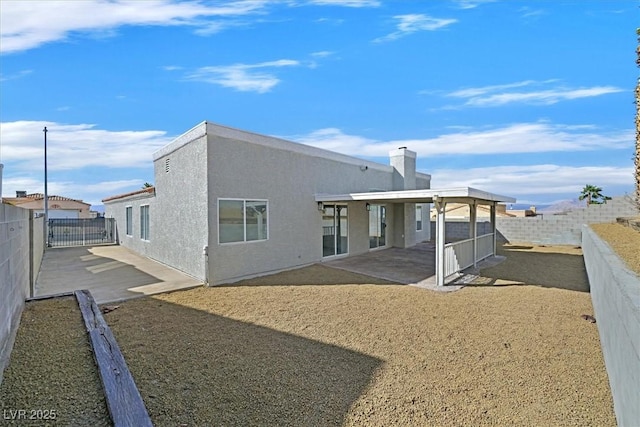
(335, 225)
(377, 226)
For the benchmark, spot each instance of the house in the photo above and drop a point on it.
(462, 211)
(59, 206)
(229, 204)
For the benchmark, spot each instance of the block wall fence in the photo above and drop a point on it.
(21, 251)
(563, 229)
(615, 293)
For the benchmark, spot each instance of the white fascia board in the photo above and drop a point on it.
(417, 196)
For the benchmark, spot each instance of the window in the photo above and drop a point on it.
(242, 220)
(418, 218)
(144, 222)
(129, 220)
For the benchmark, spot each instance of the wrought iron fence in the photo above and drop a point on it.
(81, 232)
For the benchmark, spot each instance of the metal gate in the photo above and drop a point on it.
(81, 232)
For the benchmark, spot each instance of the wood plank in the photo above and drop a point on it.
(124, 402)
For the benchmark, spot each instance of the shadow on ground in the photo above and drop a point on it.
(110, 272)
(242, 374)
(74, 268)
(549, 267)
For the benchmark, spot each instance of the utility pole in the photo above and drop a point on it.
(46, 196)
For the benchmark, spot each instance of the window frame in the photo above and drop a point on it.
(419, 218)
(128, 219)
(144, 223)
(244, 219)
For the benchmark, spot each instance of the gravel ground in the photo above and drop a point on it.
(51, 374)
(625, 241)
(295, 349)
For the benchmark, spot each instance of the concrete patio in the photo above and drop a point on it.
(413, 266)
(110, 272)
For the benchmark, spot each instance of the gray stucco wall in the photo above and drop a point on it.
(563, 229)
(615, 292)
(182, 203)
(15, 273)
(117, 210)
(178, 226)
(288, 175)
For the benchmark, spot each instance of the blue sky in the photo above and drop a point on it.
(531, 99)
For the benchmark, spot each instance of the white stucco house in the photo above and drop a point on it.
(229, 204)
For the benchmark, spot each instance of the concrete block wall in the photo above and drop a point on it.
(615, 293)
(14, 274)
(563, 229)
(459, 230)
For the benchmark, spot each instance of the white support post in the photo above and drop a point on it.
(493, 225)
(473, 229)
(440, 239)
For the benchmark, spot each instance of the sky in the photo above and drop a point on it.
(529, 99)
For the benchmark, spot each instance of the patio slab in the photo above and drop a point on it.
(407, 266)
(414, 266)
(110, 272)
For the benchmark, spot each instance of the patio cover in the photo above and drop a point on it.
(439, 197)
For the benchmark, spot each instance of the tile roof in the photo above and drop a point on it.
(39, 196)
(150, 190)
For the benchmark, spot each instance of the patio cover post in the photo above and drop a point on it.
(473, 228)
(493, 225)
(440, 239)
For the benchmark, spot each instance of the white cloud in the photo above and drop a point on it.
(18, 75)
(516, 138)
(471, 4)
(346, 3)
(29, 24)
(536, 183)
(412, 23)
(243, 77)
(335, 140)
(322, 54)
(499, 95)
(76, 146)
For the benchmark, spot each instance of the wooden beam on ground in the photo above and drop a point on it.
(124, 402)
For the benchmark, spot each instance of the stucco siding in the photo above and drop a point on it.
(177, 212)
(180, 222)
(288, 180)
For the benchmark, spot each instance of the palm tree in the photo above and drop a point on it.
(593, 194)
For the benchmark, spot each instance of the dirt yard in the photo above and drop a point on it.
(319, 346)
(625, 241)
(52, 376)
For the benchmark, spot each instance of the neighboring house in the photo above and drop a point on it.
(59, 207)
(229, 204)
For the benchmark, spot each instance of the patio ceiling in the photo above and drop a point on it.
(461, 194)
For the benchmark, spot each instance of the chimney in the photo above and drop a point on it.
(404, 165)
